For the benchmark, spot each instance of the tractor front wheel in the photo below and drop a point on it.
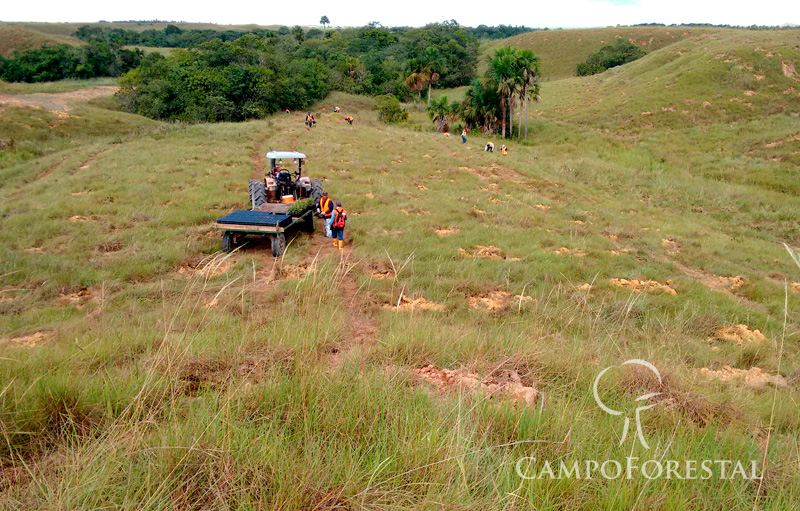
(278, 245)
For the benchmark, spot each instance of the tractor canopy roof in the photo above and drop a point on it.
(287, 155)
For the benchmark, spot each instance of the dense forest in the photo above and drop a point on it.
(253, 76)
(62, 61)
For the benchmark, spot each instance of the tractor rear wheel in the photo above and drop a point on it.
(258, 193)
(278, 245)
(316, 189)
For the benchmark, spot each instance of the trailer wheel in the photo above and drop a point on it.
(227, 241)
(258, 193)
(278, 245)
(316, 189)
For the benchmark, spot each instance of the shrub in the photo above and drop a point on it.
(389, 109)
(620, 52)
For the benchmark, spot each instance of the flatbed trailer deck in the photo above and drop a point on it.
(274, 223)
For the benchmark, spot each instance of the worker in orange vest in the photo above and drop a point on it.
(337, 226)
(326, 212)
(504, 149)
(310, 120)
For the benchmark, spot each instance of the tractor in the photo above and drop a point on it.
(283, 186)
(271, 213)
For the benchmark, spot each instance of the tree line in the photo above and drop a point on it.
(170, 36)
(173, 36)
(62, 61)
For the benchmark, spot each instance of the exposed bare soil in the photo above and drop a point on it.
(57, 102)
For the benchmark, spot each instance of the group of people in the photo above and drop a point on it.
(489, 148)
(310, 121)
(335, 219)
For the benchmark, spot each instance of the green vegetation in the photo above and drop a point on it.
(612, 55)
(512, 74)
(140, 368)
(170, 36)
(389, 109)
(302, 206)
(252, 77)
(62, 61)
(220, 81)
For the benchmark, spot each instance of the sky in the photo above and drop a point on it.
(552, 14)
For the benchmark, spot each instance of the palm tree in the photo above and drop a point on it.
(354, 67)
(298, 33)
(432, 66)
(324, 21)
(528, 66)
(415, 83)
(439, 112)
(419, 76)
(502, 71)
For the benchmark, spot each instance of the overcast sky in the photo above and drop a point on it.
(555, 13)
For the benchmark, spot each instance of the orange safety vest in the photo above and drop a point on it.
(309, 118)
(339, 218)
(325, 207)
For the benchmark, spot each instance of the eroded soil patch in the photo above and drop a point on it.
(507, 385)
(574, 252)
(445, 231)
(486, 252)
(26, 341)
(411, 304)
(644, 286)
(740, 334)
(753, 377)
(497, 301)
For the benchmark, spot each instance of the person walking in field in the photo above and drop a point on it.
(326, 212)
(504, 149)
(337, 226)
(309, 119)
(464, 136)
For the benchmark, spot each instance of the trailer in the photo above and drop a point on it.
(271, 220)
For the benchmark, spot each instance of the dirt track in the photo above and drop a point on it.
(57, 102)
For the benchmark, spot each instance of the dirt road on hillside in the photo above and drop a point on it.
(57, 102)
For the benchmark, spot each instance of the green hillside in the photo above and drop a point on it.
(461, 329)
(731, 76)
(18, 38)
(561, 50)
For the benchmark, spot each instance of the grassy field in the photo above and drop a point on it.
(142, 369)
(18, 38)
(562, 50)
